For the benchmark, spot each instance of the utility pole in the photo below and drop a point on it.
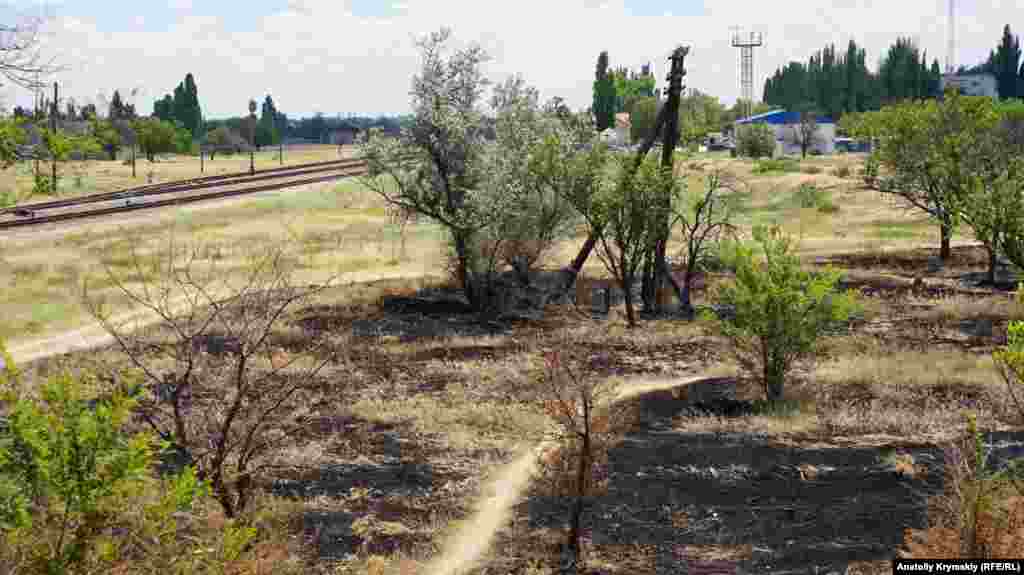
(252, 137)
(35, 119)
(53, 134)
(951, 39)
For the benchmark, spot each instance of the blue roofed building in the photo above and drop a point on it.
(786, 127)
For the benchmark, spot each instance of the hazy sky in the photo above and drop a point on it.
(357, 56)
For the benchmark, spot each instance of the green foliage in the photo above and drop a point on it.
(182, 140)
(604, 95)
(182, 107)
(41, 185)
(631, 87)
(64, 466)
(642, 117)
(785, 165)
(1010, 358)
(839, 82)
(809, 195)
(777, 311)
(699, 114)
(11, 136)
(755, 140)
(267, 133)
(155, 136)
(1005, 63)
(107, 136)
(924, 148)
(628, 213)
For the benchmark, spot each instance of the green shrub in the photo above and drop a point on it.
(809, 195)
(977, 515)
(755, 141)
(76, 490)
(786, 165)
(870, 170)
(65, 468)
(777, 311)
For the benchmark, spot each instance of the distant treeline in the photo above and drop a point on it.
(835, 83)
(316, 128)
(838, 82)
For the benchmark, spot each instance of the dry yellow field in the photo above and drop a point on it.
(343, 228)
(79, 178)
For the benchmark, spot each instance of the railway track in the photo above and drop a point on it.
(186, 191)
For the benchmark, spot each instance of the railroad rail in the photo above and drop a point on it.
(29, 214)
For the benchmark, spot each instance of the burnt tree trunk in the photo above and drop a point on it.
(945, 235)
(990, 274)
(462, 273)
(569, 274)
(582, 476)
(664, 118)
(655, 277)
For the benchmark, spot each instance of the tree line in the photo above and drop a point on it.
(1004, 62)
(837, 83)
(620, 90)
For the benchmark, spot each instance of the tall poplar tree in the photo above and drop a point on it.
(1006, 65)
(604, 95)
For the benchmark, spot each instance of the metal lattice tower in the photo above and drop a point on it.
(746, 46)
(951, 39)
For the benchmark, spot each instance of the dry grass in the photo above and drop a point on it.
(481, 402)
(337, 229)
(79, 178)
(958, 308)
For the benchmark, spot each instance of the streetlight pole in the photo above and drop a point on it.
(252, 137)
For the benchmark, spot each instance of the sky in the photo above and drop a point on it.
(358, 56)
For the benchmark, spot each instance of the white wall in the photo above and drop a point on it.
(824, 139)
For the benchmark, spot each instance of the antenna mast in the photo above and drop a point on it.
(951, 39)
(746, 46)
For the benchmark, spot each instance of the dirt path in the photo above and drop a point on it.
(93, 335)
(465, 548)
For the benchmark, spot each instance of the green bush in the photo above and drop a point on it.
(870, 171)
(755, 141)
(809, 195)
(776, 311)
(77, 494)
(786, 165)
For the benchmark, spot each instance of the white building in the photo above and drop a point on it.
(786, 126)
(622, 125)
(972, 84)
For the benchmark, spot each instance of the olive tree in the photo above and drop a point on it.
(436, 166)
(484, 173)
(534, 212)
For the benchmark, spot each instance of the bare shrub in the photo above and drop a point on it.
(978, 515)
(588, 423)
(217, 385)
